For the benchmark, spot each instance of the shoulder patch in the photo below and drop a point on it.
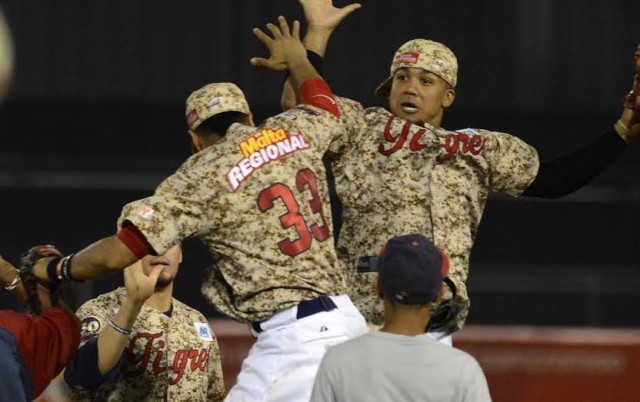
(89, 328)
(203, 330)
(470, 131)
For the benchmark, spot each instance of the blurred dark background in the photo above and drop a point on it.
(95, 119)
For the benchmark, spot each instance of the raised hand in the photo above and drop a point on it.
(322, 13)
(140, 286)
(285, 48)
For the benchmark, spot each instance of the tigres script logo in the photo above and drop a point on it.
(153, 350)
(261, 149)
(465, 141)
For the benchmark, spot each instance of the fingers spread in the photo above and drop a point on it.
(262, 36)
(296, 29)
(284, 26)
(274, 30)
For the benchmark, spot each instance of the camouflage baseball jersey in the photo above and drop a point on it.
(168, 358)
(397, 178)
(258, 200)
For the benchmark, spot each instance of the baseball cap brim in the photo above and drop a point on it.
(383, 90)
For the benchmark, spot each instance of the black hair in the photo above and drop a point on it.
(220, 123)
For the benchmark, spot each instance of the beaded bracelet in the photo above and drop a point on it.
(117, 328)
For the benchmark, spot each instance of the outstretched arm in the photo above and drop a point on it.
(99, 259)
(570, 172)
(322, 19)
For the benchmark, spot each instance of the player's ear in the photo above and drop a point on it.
(376, 287)
(449, 97)
(195, 141)
(248, 120)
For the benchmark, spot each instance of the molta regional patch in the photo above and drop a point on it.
(261, 149)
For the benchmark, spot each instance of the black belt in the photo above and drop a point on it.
(307, 308)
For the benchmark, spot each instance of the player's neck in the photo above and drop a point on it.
(161, 299)
(408, 323)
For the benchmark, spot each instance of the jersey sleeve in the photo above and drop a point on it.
(176, 211)
(512, 163)
(351, 124)
(83, 372)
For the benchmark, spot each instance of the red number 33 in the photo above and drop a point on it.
(305, 181)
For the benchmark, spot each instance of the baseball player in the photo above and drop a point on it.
(399, 363)
(139, 343)
(257, 198)
(403, 173)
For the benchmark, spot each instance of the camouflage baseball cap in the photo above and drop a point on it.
(213, 99)
(427, 55)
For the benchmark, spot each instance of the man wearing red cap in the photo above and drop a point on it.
(400, 362)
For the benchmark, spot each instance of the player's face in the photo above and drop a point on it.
(169, 262)
(419, 96)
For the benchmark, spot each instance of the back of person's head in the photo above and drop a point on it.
(6, 57)
(411, 270)
(214, 107)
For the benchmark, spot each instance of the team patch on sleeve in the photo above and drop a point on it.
(89, 328)
(144, 211)
(203, 330)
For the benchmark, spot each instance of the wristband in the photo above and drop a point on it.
(623, 131)
(117, 328)
(53, 270)
(316, 61)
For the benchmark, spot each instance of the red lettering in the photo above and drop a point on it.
(451, 144)
(470, 145)
(143, 360)
(477, 144)
(398, 140)
(413, 145)
(199, 358)
(179, 363)
(204, 359)
(157, 369)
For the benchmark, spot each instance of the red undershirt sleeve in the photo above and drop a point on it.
(316, 92)
(133, 238)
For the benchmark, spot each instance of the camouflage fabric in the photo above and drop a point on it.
(168, 358)
(258, 200)
(397, 178)
(213, 99)
(424, 54)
